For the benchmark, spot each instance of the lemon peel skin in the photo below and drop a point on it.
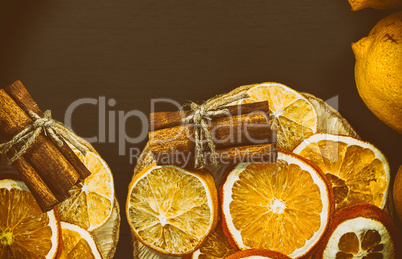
(378, 70)
(375, 4)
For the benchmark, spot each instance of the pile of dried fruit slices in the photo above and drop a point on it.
(300, 206)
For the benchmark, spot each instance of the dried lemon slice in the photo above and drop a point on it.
(294, 116)
(358, 171)
(361, 231)
(172, 210)
(284, 206)
(25, 231)
(91, 202)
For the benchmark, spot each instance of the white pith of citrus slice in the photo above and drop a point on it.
(294, 116)
(358, 171)
(91, 201)
(78, 243)
(172, 210)
(25, 231)
(284, 206)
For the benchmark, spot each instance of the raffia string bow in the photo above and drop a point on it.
(203, 113)
(55, 129)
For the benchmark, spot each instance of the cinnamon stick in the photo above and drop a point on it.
(40, 191)
(51, 166)
(21, 96)
(245, 129)
(162, 120)
(265, 153)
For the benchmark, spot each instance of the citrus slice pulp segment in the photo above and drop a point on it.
(77, 243)
(215, 246)
(283, 206)
(25, 231)
(172, 210)
(358, 172)
(294, 116)
(91, 201)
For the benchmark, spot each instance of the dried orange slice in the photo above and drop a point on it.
(284, 206)
(294, 116)
(358, 171)
(215, 246)
(258, 253)
(91, 202)
(361, 231)
(77, 243)
(25, 231)
(172, 210)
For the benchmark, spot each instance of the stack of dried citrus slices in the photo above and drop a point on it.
(324, 197)
(83, 226)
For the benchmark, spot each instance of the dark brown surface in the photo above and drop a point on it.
(133, 51)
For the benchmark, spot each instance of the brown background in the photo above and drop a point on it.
(133, 51)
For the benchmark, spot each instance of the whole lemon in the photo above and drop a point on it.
(397, 193)
(376, 4)
(378, 70)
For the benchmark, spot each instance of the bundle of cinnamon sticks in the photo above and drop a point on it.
(243, 135)
(48, 170)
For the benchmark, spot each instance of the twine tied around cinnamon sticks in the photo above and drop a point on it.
(203, 113)
(48, 126)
